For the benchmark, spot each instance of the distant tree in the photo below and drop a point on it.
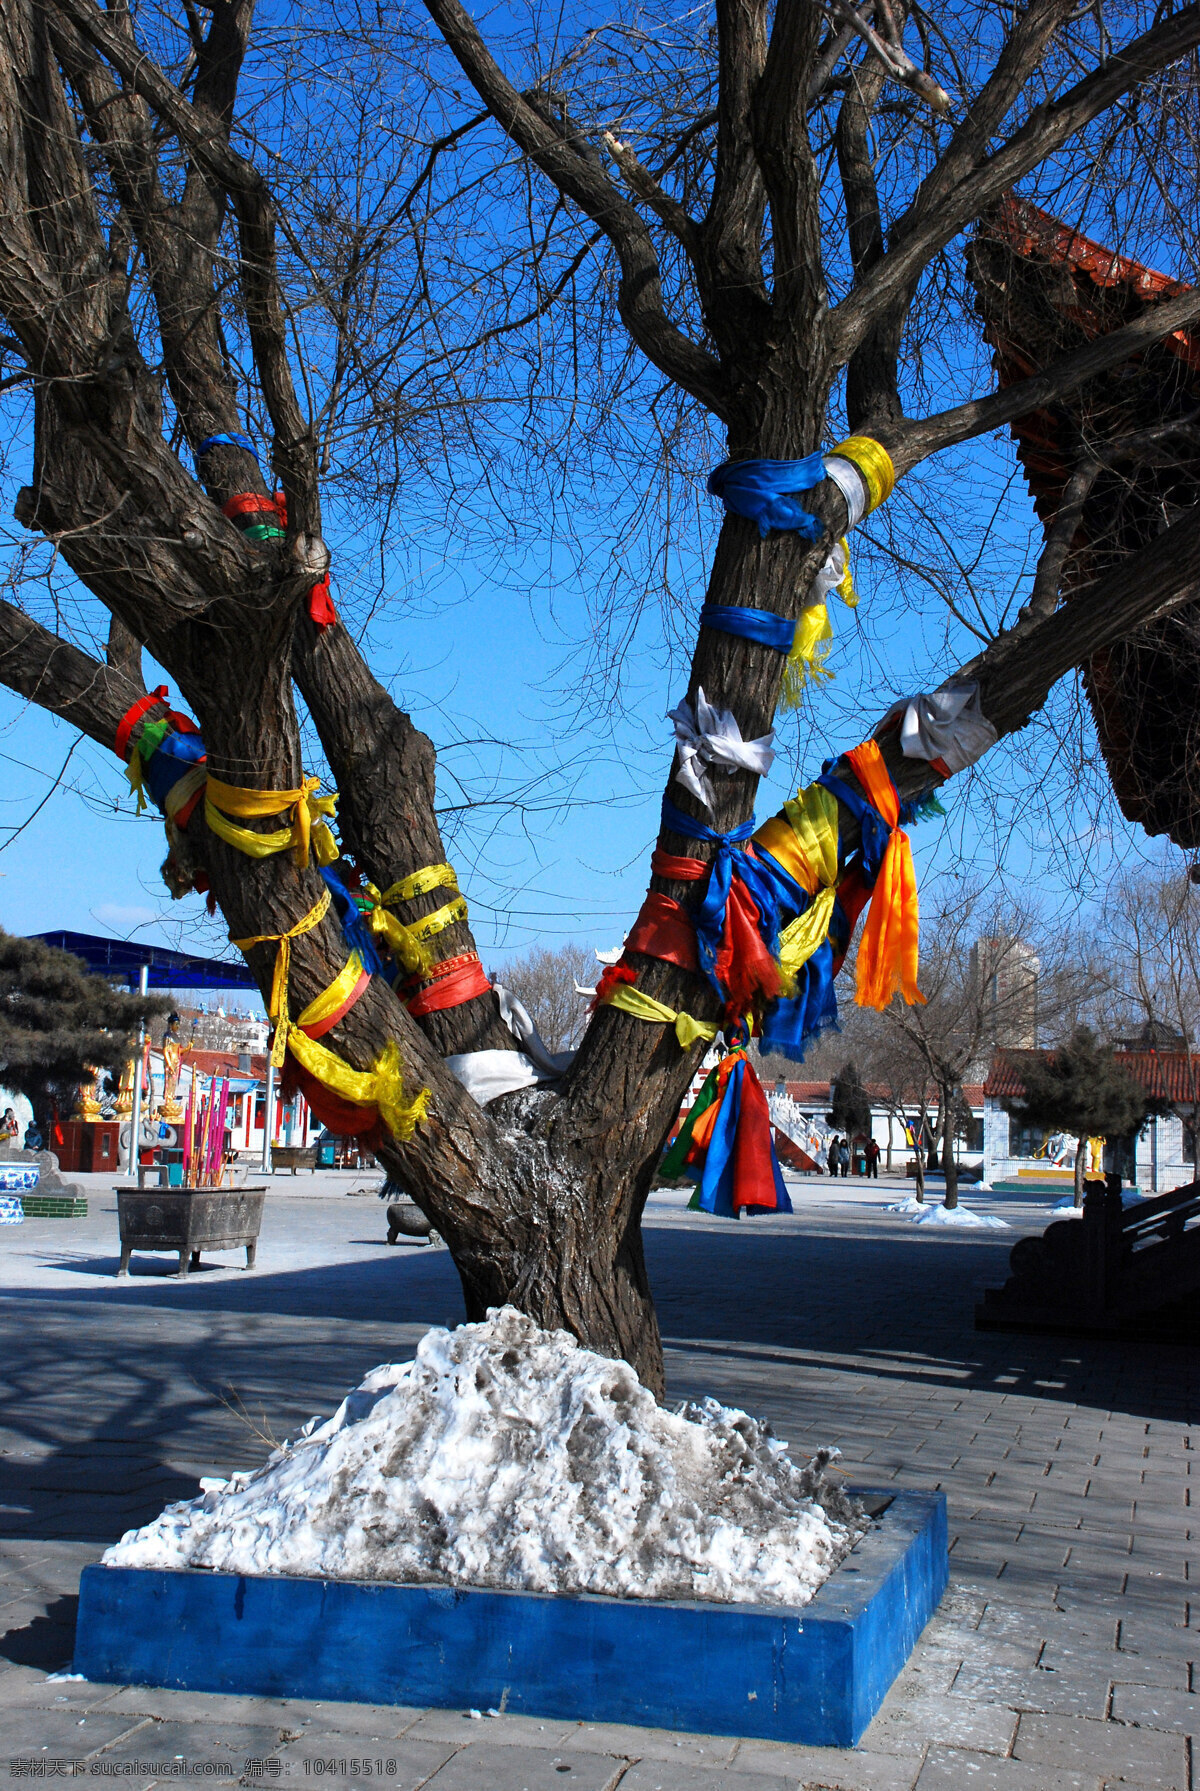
(848, 1098)
(985, 988)
(1081, 1089)
(544, 982)
(57, 1022)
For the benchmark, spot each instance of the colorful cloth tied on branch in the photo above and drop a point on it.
(711, 738)
(737, 921)
(725, 1144)
(887, 951)
(763, 490)
(804, 840)
(947, 728)
(616, 989)
(378, 1093)
(307, 830)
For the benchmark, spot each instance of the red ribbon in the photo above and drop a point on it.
(685, 870)
(744, 966)
(131, 718)
(463, 981)
(252, 503)
(320, 606)
(663, 929)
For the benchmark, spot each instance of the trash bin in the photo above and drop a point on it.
(325, 1155)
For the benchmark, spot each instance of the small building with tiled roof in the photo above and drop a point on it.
(1161, 1157)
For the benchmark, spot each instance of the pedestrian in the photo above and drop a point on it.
(844, 1157)
(872, 1156)
(831, 1155)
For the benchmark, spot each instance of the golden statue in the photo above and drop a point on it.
(171, 1109)
(88, 1105)
(125, 1091)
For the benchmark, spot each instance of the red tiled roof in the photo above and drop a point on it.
(1173, 1075)
(1034, 232)
(816, 1094)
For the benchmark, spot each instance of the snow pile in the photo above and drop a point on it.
(934, 1213)
(508, 1456)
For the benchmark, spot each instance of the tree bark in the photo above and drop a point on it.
(949, 1166)
(1080, 1155)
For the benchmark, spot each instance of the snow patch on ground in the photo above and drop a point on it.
(934, 1213)
(508, 1456)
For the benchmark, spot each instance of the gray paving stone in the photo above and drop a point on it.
(462, 1730)
(1146, 1756)
(824, 1768)
(953, 1769)
(402, 1765)
(1157, 1707)
(1038, 1688)
(626, 1741)
(217, 1743)
(61, 1734)
(483, 1768)
(908, 1726)
(284, 1713)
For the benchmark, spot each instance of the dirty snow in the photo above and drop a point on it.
(934, 1213)
(509, 1456)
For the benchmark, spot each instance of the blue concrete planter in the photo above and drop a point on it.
(816, 1675)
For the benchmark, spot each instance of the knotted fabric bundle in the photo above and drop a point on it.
(948, 728)
(725, 1144)
(307, 829)
(712, 738)
(737, 922)
(804, 840)
(887, 951)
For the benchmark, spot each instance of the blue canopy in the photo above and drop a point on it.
(121, 960)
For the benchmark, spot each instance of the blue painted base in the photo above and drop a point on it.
(816, 1675)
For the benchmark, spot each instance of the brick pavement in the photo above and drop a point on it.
(1062, 1658)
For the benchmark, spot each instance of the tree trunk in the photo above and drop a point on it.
(949, 1166)
(919, 1154)
(1080, 1154)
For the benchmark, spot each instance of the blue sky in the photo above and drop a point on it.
(483, 644)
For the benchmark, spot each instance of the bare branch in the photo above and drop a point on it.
(667, 210)
(1043, 598)
(891, 55)
(914, 442)
(919, 235)
(561, 153)
(295, 448)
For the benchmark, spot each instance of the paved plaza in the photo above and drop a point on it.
(1061, 1658)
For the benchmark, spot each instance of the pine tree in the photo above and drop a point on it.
(57, 1022)
(848, 1098)
(1080, 1089)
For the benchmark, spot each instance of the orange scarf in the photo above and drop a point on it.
(887, 951)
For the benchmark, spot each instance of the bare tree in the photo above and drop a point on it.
(547, 983)
(1152, 955)
(993, 977)
(150, 311)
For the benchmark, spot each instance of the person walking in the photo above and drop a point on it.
(831, 1155)
(844, 1157)
(872, 1156)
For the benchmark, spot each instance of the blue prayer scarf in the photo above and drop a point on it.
(874, 829)
(715, 1193)
(355, 930)
(761, 490)
(761, 625)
